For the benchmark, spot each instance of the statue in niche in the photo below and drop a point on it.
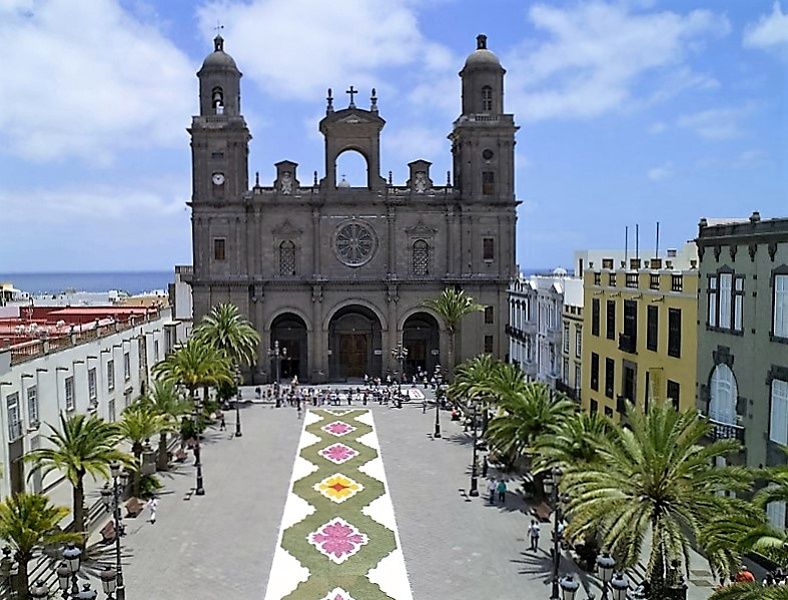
(420, 182)
(286, 185)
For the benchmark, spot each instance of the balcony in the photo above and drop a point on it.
(725, 431)
(627, 343)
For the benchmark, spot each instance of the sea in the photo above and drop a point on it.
(132, 282)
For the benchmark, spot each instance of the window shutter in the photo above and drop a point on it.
(778, 423)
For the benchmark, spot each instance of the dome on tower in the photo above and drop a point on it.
(482, 57)
(219, 58)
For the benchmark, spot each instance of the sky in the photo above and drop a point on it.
(630, 111)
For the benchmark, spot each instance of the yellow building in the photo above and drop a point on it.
(639, 335)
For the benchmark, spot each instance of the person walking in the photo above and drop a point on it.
(222, 423)
(501, 491)
(153, 505)
(298, 408)
(491, 490)
(533, 535)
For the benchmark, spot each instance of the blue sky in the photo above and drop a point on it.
(631, 111)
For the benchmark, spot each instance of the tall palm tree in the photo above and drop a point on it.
(573, 441)
(84, 445)
(137, 425)
(451, 306)
(28, 523)
(195, 364)
(656, 477)
(751, 591)
(226, 329)
(164, 400)
(523, 417)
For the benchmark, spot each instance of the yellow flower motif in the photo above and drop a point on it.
(338, 488)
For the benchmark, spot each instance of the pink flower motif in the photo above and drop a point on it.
(338, 540)
(338, 453)
(338, 428)
(337, 594)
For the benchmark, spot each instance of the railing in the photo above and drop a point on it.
(626, 343)
(725, 431)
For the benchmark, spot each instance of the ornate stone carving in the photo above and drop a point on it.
(355, 243)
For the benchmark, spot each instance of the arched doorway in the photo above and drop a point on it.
(421, 336)
(290, 331)
(354, 341)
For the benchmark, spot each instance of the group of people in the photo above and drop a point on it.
(744, 575)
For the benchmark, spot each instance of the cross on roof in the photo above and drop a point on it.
(218, 28)
(351, 92)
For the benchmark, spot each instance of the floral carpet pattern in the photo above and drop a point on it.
(338, 539)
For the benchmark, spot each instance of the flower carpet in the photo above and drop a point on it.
(338, 538)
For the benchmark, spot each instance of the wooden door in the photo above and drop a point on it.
(353, 355)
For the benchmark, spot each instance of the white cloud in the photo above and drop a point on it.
(306, 46)
(716, 123)
(97, 202)
(657, 127)
(411, 143)
(661, 172)
(770, 32)
(87, 79)
(597, 54)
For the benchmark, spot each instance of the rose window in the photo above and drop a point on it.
(355, 244)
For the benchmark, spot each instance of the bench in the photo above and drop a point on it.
(134, 507)
(542, 511)
(108, 532)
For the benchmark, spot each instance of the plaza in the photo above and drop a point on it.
(222, 545)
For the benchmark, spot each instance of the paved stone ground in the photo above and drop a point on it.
(220, 545)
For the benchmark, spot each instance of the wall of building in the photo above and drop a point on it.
(145, 344)
(654, 369)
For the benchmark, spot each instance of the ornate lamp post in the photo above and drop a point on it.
(40, 591)
(474, 491)
(63, 578)
(8, 570)
(237, 402)
(437, 432)
(400, 353)
(71, 557)
(278, 355)
(569, 586)
(111, 501)
(199, 490)
(620, 585)
(605, 564)
(109, 582)
(551, 486)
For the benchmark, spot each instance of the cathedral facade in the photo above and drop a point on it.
(334, 276)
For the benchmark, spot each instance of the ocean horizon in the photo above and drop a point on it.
(132, 282)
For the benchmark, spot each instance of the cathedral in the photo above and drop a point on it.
(334, 277)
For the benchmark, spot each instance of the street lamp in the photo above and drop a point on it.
(109, 581)
(620, 585)
(437, 432)
(8, 570)
(71, 556)
(569, 586)
(199, 490)
(277, 355)
(400, 353)
(551, 487)
(111, 500)
(86, 593)
(63, 578)
(605, 564)
(40, 591)
(474, 491)
(237, 402)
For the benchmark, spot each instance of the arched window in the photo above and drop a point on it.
(722, 395)
(287, 258)
(487, 99)
(421, 258)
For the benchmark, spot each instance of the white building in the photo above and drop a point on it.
(535, 329)
(99, 368)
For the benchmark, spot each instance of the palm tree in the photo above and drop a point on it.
(751, 591)
(195, 364)
(28, 523)
(164, 401)
(573, 441)
(137, 425)
(228, 330)
(84, 445)
(654, 476)
(523, 417)
(451, 306)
